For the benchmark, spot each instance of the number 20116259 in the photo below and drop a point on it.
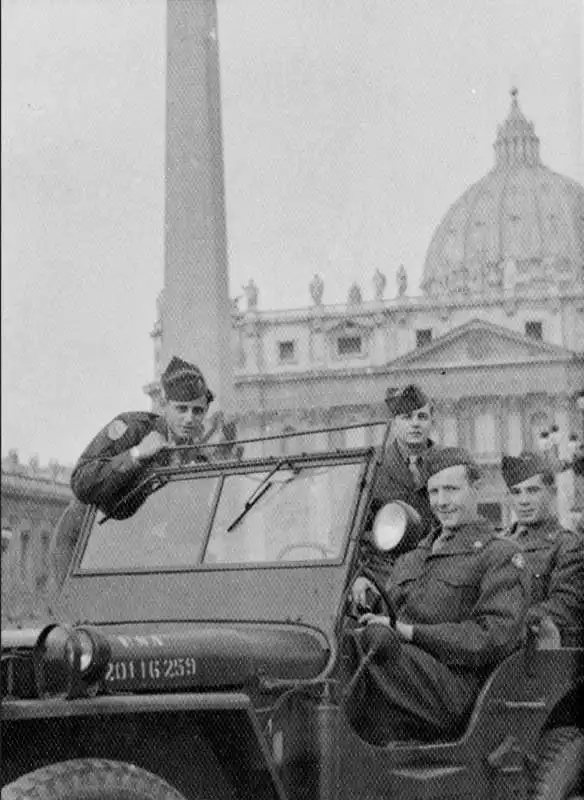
(151, 669)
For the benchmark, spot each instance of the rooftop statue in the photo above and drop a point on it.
(355, 297)
(402, 281)
(316, 289)
(251, 294)
(379, 284)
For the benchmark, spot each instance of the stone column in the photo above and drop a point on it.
(501, 411)
(447, 420)
(524, 410)
(561, 415)
(196, 322)
(464, 424)
(514, 439)
(317, 345)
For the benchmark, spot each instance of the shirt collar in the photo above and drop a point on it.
(543, 529)
(471, 531)
(406, 455)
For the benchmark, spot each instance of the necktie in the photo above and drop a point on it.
(416, 469)
(440, 542)
(519, 532)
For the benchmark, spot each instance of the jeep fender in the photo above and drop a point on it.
(225, 725)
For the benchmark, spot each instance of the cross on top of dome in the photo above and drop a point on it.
(516, 142)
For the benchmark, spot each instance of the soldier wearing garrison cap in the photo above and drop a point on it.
(555, 555)
(121, 454)
(459, 601)
(402, 473)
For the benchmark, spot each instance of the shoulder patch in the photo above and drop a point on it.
(518, 561)
(116, 429)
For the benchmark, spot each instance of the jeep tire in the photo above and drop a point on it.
(90, 779)
(560, 773)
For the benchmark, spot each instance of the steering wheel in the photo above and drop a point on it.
(324, 551)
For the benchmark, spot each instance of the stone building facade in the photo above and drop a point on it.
(496, 335)
(33, 500)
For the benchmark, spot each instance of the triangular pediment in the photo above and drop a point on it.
(481, 343)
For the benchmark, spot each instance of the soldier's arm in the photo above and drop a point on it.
(494, 627)
(106, 467)
(565, 597)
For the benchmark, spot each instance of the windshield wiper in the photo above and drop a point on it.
(260, 491)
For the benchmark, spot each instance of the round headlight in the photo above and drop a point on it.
(392, 523)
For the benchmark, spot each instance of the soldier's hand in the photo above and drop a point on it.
(544, 628)
(548, 637)
(151, 444)
(214, 423)
(361, 587)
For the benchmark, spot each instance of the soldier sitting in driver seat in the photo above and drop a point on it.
(555, 555)
(459, 601)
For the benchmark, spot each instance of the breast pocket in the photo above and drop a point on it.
(453, 596)
(403, 579)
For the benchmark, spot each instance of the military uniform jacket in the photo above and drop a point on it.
(556, 559)
(395, 482)
(466, 602)
(106, 471)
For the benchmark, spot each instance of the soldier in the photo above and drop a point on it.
(459, 601)
(119, 457)
(555, 555)
(120, 453)
(401, 476)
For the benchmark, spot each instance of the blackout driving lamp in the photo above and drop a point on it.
(69, 662)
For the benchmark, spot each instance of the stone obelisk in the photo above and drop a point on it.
(195, 308)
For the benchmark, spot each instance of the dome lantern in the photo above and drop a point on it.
(516, 141)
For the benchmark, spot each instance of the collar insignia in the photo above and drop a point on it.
(518, 561)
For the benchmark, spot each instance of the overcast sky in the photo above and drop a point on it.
(350, 126)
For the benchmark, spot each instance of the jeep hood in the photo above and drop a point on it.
(159, 657)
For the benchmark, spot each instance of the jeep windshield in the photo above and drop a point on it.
(188, 523)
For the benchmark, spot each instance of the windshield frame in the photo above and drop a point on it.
(223, 470)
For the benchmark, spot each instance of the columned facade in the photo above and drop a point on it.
(496, 337)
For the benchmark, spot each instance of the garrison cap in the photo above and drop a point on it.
(450, 457)
(518, 469)
(184, 382)
(409, 399)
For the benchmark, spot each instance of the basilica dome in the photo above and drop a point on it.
(522, 224)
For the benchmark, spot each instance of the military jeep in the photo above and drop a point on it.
(201, 650)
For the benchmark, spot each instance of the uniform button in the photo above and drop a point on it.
(478, 544)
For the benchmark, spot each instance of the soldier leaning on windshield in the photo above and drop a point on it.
(119, 456)
(555, 555)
